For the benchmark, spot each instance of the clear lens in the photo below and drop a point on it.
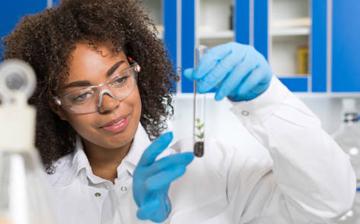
(79, 97)
(123, 85)
(82, 101)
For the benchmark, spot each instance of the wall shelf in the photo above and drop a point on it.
(291, 27)
(287, 23)
(225, 34)
(296, 31)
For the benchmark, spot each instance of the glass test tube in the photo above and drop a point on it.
(199, 111)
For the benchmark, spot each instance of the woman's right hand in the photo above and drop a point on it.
(152, 179)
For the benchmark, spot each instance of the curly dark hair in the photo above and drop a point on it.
(47, 39)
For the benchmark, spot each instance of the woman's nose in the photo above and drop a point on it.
(107, 103)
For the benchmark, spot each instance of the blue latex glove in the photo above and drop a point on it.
(152, 179)
(232, 70)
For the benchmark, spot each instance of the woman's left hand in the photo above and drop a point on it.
(232, 70)
(152, 179)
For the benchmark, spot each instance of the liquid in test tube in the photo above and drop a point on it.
(199, 111)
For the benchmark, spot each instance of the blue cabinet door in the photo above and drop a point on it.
(256, 13)
(240, 21)
(170, 16)
(12, 11)
(319, 50)
(317, 81)
(345, 46)
(187, 41)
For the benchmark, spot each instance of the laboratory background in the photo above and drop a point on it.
(311, 45)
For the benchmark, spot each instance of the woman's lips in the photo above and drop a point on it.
(117, 125)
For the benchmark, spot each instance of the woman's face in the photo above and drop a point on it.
(114, 124)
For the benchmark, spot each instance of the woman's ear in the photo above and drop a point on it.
(57, 110)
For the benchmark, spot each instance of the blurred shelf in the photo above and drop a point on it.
(296, 22)
(210, 35)
(296, 31)
(291, 27)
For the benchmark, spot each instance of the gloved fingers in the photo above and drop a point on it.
(170, 161)
(236, 77)
(156, 148)
(208, 62)
(211, 58)
(163, 179)
(164, 208)
(153, 211)
(148, 210)
(189, 74)
(219, 73)
(256, 83)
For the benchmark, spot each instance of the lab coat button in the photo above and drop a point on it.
(97, 194)
(123, 188)
(245, 113)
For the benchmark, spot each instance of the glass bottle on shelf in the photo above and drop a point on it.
(348, 137)
(23, 197)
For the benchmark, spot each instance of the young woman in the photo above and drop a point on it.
(103, 98)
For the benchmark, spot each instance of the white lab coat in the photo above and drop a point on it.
(303, 177)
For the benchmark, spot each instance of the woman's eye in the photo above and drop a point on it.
(120, 80)
(81, 98)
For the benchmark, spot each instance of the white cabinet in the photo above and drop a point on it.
(215, 21)
(289, 37)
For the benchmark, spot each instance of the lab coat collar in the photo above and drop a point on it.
(81, 163)
(140, 143)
